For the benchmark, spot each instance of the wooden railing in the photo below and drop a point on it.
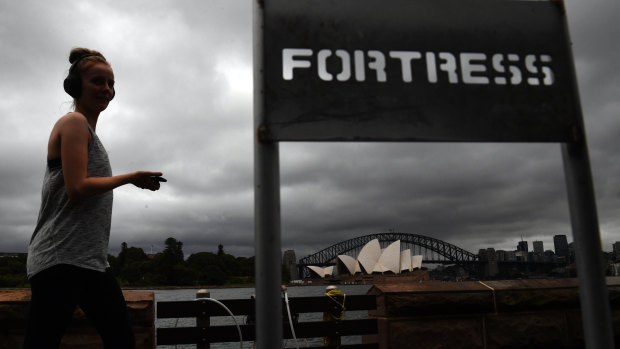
(204, 333)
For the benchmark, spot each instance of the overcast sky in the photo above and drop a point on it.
(183, 106)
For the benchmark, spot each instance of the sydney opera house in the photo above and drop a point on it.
(373, 260)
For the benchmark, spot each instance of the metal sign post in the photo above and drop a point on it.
(593, 294)
(267, 238)
(423, 70)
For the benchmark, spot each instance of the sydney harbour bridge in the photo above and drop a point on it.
(434, 251)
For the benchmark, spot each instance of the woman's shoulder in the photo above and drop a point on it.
(73, 123)
(73, 116)
(72, 120)
(70, 125)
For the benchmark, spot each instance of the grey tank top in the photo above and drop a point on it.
(72, 232)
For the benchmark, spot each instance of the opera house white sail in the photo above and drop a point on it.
(405, 260)
(389, 261)
(369, 256)
(372, 259)
(350, 263)
(321, 272)
(416, 262)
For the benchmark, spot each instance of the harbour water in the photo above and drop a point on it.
(244, 293)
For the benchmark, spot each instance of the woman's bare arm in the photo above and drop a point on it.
(74, 139)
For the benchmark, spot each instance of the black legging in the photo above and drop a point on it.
(56, 292)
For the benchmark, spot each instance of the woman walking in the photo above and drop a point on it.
(67, 254)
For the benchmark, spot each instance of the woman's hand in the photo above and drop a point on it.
(145, 180)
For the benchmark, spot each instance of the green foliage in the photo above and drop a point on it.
(173, 253)
(134, 268)
(220, 268)
(168, 268)
(13, 271)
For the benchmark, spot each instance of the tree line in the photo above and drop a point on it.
(134, 268)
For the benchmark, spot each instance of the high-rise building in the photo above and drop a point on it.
(521, 255)
(482, 255)
(561, 245)
(491, 255)
(616, 250)
(492, 268)
(501, 255)
(571, 252)
(522, 246)
(290, 262)
(538, 247)
(511, 256)
(549, 256)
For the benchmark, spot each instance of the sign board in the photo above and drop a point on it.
(423, 70)
(417, 70)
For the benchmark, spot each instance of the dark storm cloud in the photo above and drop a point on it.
(464, 194)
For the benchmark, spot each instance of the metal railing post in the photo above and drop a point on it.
(204, 320)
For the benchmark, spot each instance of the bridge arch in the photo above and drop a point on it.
(433, 250)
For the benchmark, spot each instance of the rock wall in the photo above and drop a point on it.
(493, 314)
(80, 334)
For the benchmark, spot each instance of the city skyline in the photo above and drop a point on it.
(524, 243)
